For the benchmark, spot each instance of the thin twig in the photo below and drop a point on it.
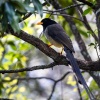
(96, 46)
(77, 84)
(54, 86)
(29, 78)
(64, 15)
(5, 99)
(29, 69)
(53, 89)
(29, 14)
(87, 3)
(62, 9)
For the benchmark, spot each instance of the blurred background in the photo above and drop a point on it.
(16, 54)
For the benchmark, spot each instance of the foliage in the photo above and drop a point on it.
(14, 52)
(12, 56)
(13, 11)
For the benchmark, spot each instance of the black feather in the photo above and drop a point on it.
(57, 33)
(77, 71)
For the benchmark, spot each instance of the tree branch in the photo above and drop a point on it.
(78, 88)
(87, 3)
(62, 9)
(37, 43)
(98, 1)
(95, 75)
(29, 69)
(55, 83)
(34, 78)
(97, 11)
(85, 65)
(58, 59)
(5, 99)
(74, 29)
(85, 22)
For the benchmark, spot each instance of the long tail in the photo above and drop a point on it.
(77, 72)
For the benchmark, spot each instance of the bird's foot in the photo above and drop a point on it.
(49, 45)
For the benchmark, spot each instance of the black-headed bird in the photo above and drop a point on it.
(55, 33)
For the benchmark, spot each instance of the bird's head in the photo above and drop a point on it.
(46, 22)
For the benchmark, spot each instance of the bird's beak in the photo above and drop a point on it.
(39, 23)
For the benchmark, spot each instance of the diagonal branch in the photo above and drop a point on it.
(87, 3)
(37, 43)
(58, 59)
(95, 75)
(62, 9)
(85, 22)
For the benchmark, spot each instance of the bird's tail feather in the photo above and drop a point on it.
(77, 72)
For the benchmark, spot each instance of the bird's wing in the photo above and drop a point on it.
(58, 34)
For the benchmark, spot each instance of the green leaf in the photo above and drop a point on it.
(19, 5)
(11, 43)
(93, 85)
(22, 6)
(38, 7)
(83, 33)
(11, 16)
(2, 2)
(87, 11)
(91, 44)
(4, 23)
(89, 32)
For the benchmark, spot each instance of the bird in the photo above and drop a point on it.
(57, 36)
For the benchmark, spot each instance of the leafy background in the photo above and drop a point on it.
(16, 53)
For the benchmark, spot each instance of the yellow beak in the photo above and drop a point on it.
(39, 23)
